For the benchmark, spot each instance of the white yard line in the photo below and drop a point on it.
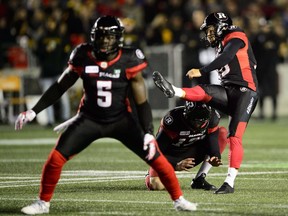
(42, 141)
(93, 176)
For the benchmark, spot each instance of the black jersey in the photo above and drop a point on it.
(241, 70)
(175, 126)
(105, 83)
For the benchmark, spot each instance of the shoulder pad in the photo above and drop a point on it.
(132, 52)
(79, 53)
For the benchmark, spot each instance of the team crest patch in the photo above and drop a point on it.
(168, 120)
(91, 69)
(104, 65)
(221, 16)
(140, 54)
(117, 71)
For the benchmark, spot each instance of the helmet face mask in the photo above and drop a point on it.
(197, 115)
(106, 43)
(221, 22)
(107, 35)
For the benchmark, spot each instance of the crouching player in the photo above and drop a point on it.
(187, 136)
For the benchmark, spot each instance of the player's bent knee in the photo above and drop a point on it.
(156, 184)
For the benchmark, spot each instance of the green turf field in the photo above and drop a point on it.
(107, 179)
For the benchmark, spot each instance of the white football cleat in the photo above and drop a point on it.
(182, 204)
(38, 207)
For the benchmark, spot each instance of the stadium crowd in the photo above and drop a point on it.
(147, 23)
(150, 22)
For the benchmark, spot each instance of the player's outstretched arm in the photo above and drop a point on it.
(145, 115)
(49, 97)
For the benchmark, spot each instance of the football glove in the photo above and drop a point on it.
(150, 145)
(23, 118)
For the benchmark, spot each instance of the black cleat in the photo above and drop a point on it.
(163, 84)
(225, 189)
(201, 183)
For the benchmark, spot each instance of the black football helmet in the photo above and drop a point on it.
(221, 22)
(105, 26)
(197, 115)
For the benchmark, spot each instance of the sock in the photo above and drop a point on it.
(51, 174)
(205, 167)
(236, 152)
(167, 176)
(178, 92)
(196, 94)
(231, 176)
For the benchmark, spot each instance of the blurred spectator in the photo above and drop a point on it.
(75, 27)
(5, 36)
(150, 10)
(176, 25)
(52, 52)
(266, 48)
(109, 7)
(88, 15)
(196, 54)
(35, 23)
(134, 12)
(132, 34)
(158, 32)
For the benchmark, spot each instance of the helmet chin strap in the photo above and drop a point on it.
(214, 44)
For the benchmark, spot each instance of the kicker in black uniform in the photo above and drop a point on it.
(237, 95)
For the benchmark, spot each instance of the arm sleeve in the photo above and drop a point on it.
(226, 56)
(145, 117)
(55, 91)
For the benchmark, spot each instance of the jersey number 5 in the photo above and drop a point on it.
(104, 94)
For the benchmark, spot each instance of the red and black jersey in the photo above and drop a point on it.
(241, 70)
(105, 83)
(176, 128)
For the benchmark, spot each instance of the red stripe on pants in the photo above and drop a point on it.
(236, 152)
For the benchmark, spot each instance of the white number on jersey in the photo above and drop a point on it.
(104, 94)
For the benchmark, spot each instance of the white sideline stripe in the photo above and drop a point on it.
(42, 141)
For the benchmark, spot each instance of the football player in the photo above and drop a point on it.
(108, 72)
(187, 136)
(237, 95)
